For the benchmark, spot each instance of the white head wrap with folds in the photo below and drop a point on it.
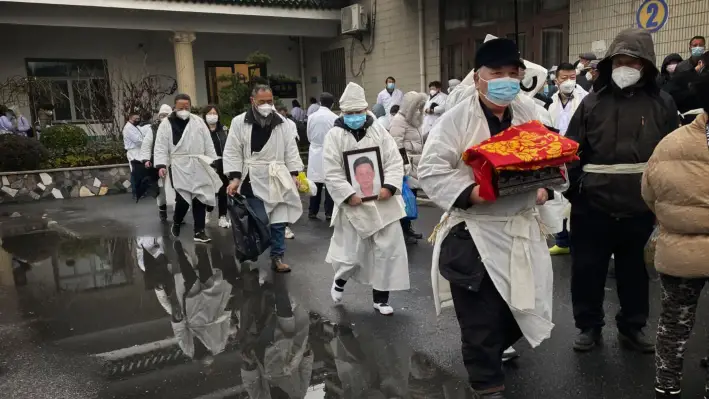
(353, 98)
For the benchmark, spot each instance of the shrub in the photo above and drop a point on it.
(21, 153)
(95, 153)
(63, 137)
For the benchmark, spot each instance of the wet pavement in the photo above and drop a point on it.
(102, 303)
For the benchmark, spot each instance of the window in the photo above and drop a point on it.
(455, 61)
(78, 89)
(522, 45)
(217, 70)
(552, 45)
(334, 75)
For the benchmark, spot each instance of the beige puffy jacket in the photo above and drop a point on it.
(406, 129)
(676, 187)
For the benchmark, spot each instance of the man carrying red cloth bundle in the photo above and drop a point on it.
(490, 260)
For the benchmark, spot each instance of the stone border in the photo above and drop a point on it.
(26, 172)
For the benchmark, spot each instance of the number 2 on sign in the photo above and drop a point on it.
(653, 9)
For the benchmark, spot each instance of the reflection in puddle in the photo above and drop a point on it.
(204, 326)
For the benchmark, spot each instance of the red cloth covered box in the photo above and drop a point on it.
(521, 158)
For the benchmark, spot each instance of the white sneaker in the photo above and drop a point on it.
(384, 309)
(335, 294)
(224, 222)
(289, 233)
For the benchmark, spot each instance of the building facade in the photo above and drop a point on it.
(198, 41)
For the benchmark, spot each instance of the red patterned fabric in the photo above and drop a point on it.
(525, 147)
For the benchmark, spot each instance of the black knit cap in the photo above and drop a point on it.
(498, 53)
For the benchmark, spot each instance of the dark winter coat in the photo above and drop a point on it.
(664, 77)
(615, 126)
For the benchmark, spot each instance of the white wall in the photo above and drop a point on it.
(125, 50)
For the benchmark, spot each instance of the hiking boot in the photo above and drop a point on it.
(668, 393)
(202, 237)
(278, 265)
(557, 250)
(162, 211)
(636, 340)
(175, 230)
(587, 339)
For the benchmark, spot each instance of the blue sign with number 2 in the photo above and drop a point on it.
(652, 15)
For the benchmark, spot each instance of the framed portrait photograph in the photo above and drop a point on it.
(365, 172)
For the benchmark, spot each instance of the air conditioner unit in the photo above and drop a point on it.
(353, 20)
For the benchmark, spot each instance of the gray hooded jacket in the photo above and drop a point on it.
(615, 126)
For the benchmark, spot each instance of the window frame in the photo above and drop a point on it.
(213, 98)
(70, 90)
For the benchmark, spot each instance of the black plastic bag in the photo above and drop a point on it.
(146, 181)
(251, 235)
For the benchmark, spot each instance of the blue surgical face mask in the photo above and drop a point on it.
(355, 121)
(391, 86)
(502, 91)
(697, 51)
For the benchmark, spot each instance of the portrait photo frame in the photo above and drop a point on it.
(364, 171)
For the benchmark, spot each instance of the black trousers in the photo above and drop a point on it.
(487, 328)
(595, 236)
(315, 201)
(221, 196)
(199, 211)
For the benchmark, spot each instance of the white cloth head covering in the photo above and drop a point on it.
(353, 98)
(452, 84)
(165, 109)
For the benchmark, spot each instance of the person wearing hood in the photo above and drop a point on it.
(390, 95)
(184, 149)
(669, 65)
(147, 150)
(378, 110)
(434, 107)
(406, 130)
(475, 265)
(617, 128)
(218, 133)
(452, 83)
(262, 161)
(319, 125)
(680, 88)
(682, 247)
(697, 47)
(367, 243)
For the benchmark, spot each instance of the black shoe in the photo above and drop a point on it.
(312, 216)
(668, 393)
(175, 230)
(163, 213)
(636, 340)
(328, 218)
(412, 233)
(410, 240)
(201, 236)
(587, 339)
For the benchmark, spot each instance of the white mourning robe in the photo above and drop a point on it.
(319, 124)
(132, 141)
(430, 119)
(189, 160)
(367, 244)
(507, 233)
(560, 114)
(269, 168)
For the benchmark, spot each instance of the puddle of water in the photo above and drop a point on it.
(183, 321)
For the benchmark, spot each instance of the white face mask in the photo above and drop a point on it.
(212, 119)
(589, 76)
(567, 86)
(183, 114)
(626, 76)
(265, 109)
(433, 92)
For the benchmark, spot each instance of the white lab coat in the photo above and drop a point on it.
(367, 244)
(269, 168)
(132, 141)
(387, 100)
(560, 115)
(146, 148)
(319, 124)
(189, 160)
(507, 233)
(430, 119)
